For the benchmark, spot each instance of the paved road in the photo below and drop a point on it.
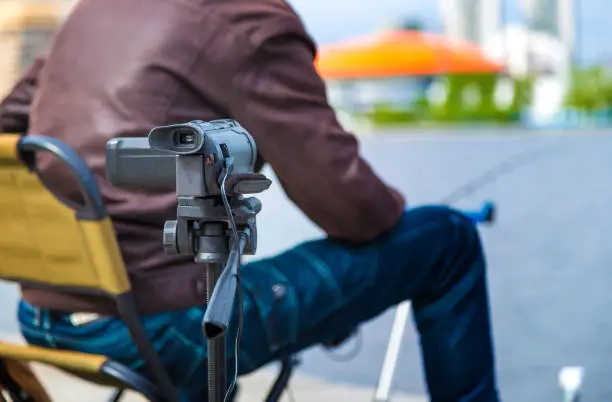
(548, 254)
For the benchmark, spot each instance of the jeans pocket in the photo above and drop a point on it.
(272, 297)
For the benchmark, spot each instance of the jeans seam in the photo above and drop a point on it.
(200, 350)
(293, 302)
(60, 338)
(44, 326)
(259, 315)
(322, 269)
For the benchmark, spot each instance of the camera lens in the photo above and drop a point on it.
(184, 138)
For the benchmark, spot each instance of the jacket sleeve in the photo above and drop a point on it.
(15, 107)
(279, 97)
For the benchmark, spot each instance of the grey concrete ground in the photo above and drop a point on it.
(549, 256)
(254, 389)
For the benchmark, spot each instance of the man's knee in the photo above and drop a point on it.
(455, 247)
(454, 232)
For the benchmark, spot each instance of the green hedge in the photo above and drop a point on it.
(454, 109)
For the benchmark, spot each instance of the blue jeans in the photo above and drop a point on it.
(318, 292)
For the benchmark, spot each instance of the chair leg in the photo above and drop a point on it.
(287, 365)
(14, 390)
(117, 395)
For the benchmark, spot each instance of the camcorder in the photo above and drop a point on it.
(195, 158)
(189, 157)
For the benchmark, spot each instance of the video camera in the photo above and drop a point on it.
(211, 165)
(189, 157)
(195, 158)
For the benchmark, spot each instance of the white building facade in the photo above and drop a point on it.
(471, 20)
(553, 17)
(478, 20)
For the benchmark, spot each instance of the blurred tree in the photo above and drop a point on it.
(588, 89)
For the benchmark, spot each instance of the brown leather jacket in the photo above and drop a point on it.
(120, 67)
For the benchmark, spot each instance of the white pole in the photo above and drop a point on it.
(383, 389)
(570, 381)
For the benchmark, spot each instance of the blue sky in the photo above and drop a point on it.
(331, 20)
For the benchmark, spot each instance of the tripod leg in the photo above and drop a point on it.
(570, 381)
(217, 373)
(387, 373)
(117, 395)
(287, 365)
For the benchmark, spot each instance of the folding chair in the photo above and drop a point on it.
(48, 243)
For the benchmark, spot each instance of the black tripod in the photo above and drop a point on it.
(218, 231)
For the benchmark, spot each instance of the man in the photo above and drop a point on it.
(121, 67)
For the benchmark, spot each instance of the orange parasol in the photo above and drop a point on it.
(401, 53)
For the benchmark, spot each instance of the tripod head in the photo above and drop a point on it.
(214, 170)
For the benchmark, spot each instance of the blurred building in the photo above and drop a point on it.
(27, 28)
(528, 52)
(478, 20)
(540, 55)
(471, 20)
(552, 17)
(541, 15)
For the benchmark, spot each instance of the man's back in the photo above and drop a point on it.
(120, 67)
